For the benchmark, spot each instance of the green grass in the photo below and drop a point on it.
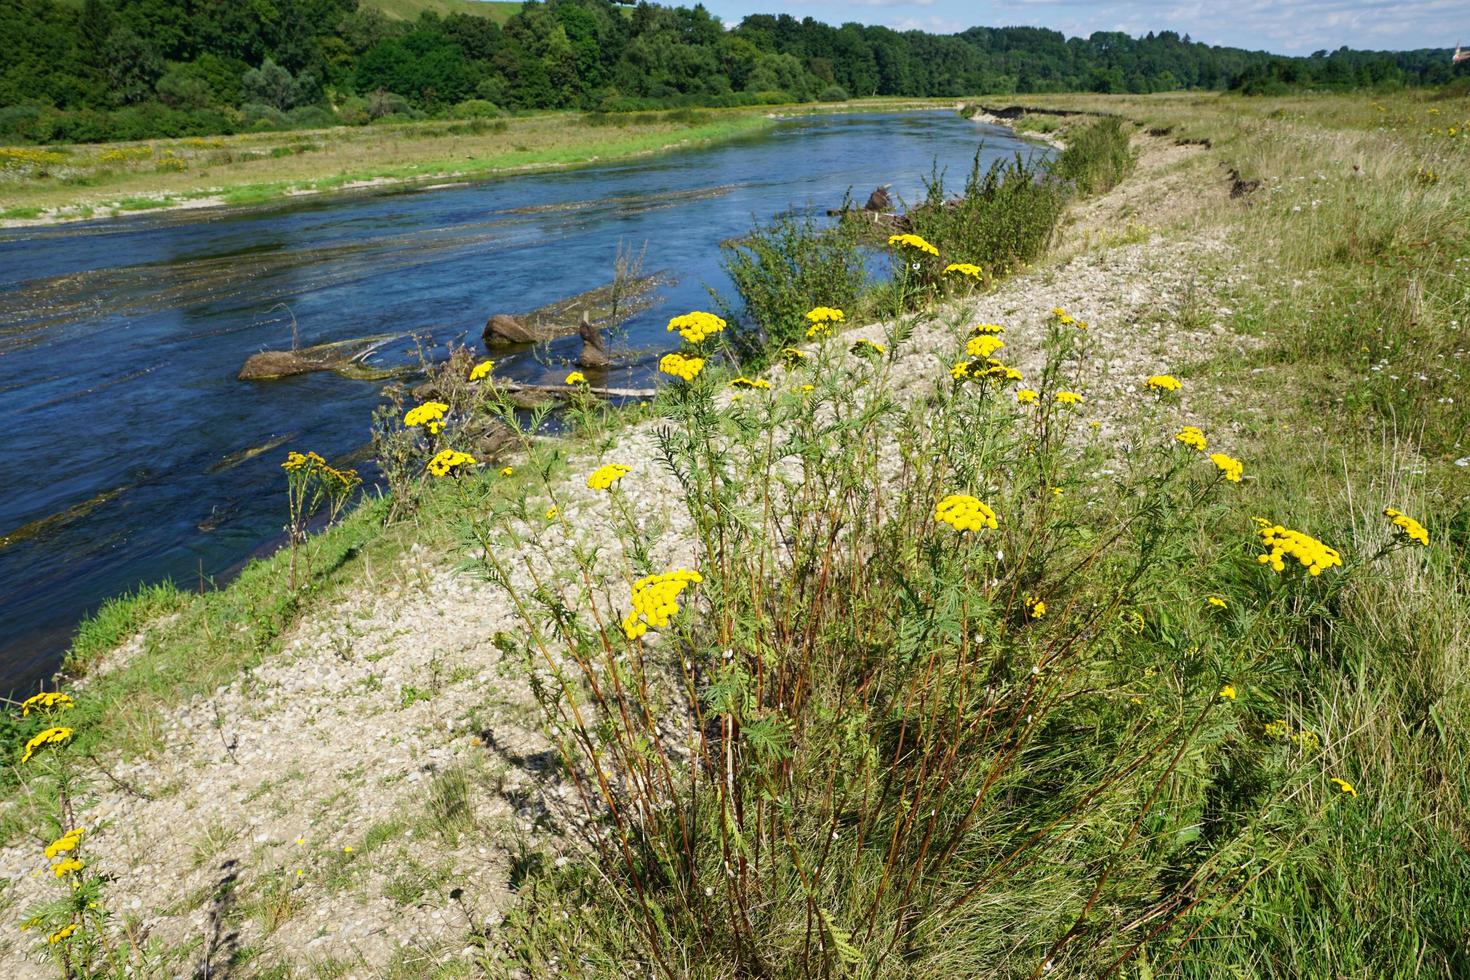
(495, 10)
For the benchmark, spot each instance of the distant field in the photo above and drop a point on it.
(499, 11)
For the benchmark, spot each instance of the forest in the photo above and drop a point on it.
(96, 70)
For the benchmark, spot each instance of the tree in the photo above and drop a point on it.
(133, 66)
(271, 85)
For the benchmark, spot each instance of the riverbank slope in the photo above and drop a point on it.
(369, 788)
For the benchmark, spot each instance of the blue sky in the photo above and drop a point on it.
(1282, 26)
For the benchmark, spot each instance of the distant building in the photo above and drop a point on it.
(1460, 55)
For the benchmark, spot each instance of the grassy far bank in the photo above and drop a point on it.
(1142, 821)
(75, 182)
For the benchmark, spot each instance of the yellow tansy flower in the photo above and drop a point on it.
(1231, 468)
(681, 366)
(1069, 398)
(1026, 396)
(1344, 786)
(482, 370)
(446, 461)
(912, 242)
(51, 736)
(1228, 691)
(606, 476)
(655, 600)
(1407, 526)
(1192, 437)
(575, 378)
(965, 513)
(695, 327)
(1163, 382)
(425, 413)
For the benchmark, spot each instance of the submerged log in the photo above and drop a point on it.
(604, 307)
(346, 357)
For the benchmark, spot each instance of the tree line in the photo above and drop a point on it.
(133, 69)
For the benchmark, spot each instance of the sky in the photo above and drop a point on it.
(1279, 26)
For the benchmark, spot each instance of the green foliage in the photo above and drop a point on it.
(783, 270)
(68, 60)
(1003, 219)
(1097, 156)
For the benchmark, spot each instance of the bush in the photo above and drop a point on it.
(782, 271)
(833, 93)
(1004, 218)
(476, 109)
(1097, 156)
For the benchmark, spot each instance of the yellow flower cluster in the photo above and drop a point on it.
(45, 701)
(988, 329)
(1217, 602)
(63, 933)
(606, 476)
(1163, 382)
(575, 378)
(744, 382)
(299, 461)
(696, 326)
(482, 370)
(656, 600)
(1035, 607)
(1232, 468)
(965, 513)
(868, 348)
(65, 843)
(680, 366)
(51, 736)
(984, 345)
(963, 269)
(990, 368)
(1278, 729)
(1315, 556)
(1344, 786)
(1192, 437)
(1228, 692)
(446, 461)
(63, 868)
(1066, 319)
(1027, 396)
(792, 355)
(1069, 398)
(821, 319)
(912, 242)
(1407, 526)
(425, 414)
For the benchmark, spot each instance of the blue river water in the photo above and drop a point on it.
(125, 436)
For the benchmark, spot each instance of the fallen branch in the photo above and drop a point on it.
(566, 391)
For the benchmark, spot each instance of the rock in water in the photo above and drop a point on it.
(503, 328)
(594, 351)
(278, 364)
(879, 201)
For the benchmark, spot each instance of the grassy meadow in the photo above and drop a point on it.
(994, 677)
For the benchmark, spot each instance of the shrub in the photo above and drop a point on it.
(783, 270)
(476, 109)
(833, 93)
(1097, 156)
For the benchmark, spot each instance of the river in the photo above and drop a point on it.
(129, 451)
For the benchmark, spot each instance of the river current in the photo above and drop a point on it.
(129, 452)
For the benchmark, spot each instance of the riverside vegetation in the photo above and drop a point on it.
(1013, 645)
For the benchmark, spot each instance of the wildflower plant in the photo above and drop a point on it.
(312, 486)
(71, 929)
